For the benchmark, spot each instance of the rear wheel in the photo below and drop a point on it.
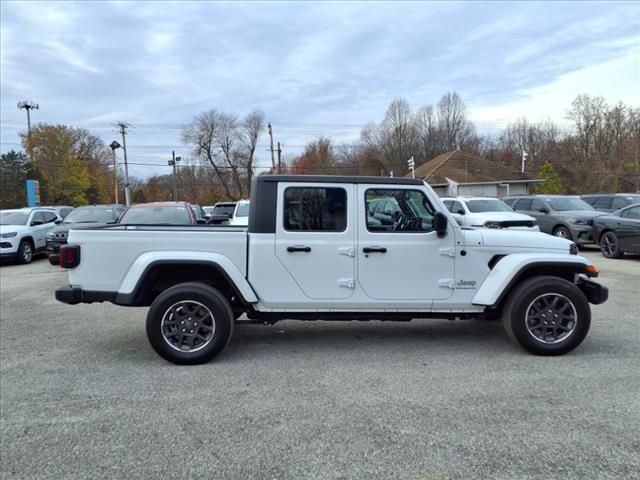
(25, 252)
(189, 323)
(563, 232)
(547, 315)
(610, 246)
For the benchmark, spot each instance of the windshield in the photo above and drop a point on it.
(243, 210)
(90, 215)
(488, 205)
(223, 209)
(14, 218)
(156, 216)
(633, 200)
(561, 204)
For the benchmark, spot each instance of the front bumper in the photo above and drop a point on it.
(594, 292)
(582, 234)
(9, 247)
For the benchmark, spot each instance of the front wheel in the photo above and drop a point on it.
(610, 246)
(189, 323)
(25, 252)
(563, 232)
(547, 315)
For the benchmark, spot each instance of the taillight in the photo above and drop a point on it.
(69, 256)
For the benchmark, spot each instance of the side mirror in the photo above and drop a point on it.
(543, 210)
(58, 222)
(36, 222)
(230, 215)
(460, 211)
(440, 223)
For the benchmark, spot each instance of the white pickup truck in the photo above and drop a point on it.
(313, 251)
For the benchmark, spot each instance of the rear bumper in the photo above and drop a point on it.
(75, 295)
(594, 292)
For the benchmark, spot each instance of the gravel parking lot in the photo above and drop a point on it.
(84, 396)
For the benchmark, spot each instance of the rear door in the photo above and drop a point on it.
(315, 238)
(628, 229)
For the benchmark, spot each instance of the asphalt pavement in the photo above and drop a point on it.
(83, 396)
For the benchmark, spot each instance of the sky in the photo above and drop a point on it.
(314, 68)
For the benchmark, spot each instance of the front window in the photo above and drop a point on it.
(156, 216)
(487, 205)
(14, 218)
(314, 209)
(90, 215)
(403, 211)
(562, 204)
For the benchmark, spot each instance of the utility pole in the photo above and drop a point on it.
(175, 177)
(127, 193)
(524, 159)
(115, 145)
(273, 160)
(28, 105)
(412, 166)
(279, 159)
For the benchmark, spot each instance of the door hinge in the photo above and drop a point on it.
(348, 251)
(448, 252)
(446, 283)
(346, 283)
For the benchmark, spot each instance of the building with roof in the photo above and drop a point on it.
(463, 173)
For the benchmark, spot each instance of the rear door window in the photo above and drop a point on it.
(523, 204)
(315, 209)
(602, 203)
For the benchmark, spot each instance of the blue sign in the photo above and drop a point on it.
(33, 193)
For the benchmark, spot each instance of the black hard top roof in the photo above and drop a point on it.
(340, 179)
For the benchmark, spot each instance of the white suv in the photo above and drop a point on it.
(240, 214)
(23, 232)
(488, 213)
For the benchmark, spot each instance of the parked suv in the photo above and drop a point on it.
(23, 232)
(94, 215)
(561, 215)
(159, 213)
(488, 213)
(612, 201)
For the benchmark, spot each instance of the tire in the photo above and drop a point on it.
(25, 253)
(533, 302)
(563, 232)
(610, 245)
(189, 305)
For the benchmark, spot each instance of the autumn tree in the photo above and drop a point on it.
(317, 159)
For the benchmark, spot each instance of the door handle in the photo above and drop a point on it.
(374, 250)
(298, 248)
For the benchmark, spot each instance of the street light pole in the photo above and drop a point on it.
(175, 178)
(115, 145)
(28, 105)
(127, 193)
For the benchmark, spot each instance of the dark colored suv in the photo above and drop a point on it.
(610, 202)
(561, 215)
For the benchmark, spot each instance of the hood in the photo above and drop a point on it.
(580, 213)
(524, 240)
(482, 217)
(76, 226)
(13, 228)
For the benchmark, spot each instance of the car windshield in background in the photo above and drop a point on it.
(90, 215)
(14, 218)
(156, 216)
(633, 200)
(223, 209)
(561, 204)
(487, 205)
(243, 210)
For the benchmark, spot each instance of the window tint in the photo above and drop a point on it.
(405, 211)
(538, 205)
(590, 200)
(524, 204)
(488, 205)
(313, 209)
(458, 208)
(633, 212)
(618, 203)
(510, 201)
(49, 217)
(448, 204)
(602, 203)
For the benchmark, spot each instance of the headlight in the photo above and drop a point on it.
(8, 235)
(491, 224)
(51, 235)
(581, 221)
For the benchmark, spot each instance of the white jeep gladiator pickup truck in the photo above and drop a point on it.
(313, 251)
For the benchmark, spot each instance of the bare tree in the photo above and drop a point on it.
(251, 128)
(453, 122)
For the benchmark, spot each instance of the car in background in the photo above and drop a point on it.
(564, 216)
(222, 212)
(487, 212)
(23, 232)
(619, 232)
(159, 213)
(93, 215)
(241, 214)
(61, 210)
(610, 202)
(198, 213)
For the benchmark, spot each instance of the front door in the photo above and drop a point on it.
(400, 256)
(315, 241)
